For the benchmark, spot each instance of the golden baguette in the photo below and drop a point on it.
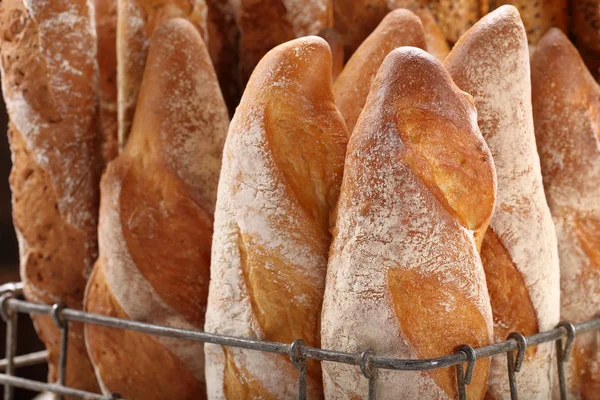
(404, 276)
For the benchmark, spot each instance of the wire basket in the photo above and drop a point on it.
(515, 345)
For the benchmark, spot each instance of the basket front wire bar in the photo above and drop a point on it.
(368, 362)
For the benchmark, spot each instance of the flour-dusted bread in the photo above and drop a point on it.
(519, 252)
(156, 219)
(264, 24)
(538, 16)
(137, 20)
(404, 277)
(399, 28)
(106, 28)
(566, 110)
(282, 168)
(50, 86)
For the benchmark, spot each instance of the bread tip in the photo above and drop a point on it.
(402, 15)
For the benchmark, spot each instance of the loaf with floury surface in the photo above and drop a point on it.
(399, 28)
(566, 111)
(282, 168)
(404, 277)
(156, 219)
(50, 87)
(137, 20)
(519, 252)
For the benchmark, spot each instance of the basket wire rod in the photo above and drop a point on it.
(369, 372)
(515, 363)
(299, 362)
(64, 345)
(463, 377)
(25, 360)
(11, 318)
(50, 387)
(563, 355)
(283, 348)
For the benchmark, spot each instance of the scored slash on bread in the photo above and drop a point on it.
(566, 110)
(399, 28)
(404, 276)
(137, 20)
(282, 168)
(156, 220)
(519, 251)
(50, 83)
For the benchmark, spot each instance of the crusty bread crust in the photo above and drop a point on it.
(156, 220)
(282, 168)
(137, 20)
(566, 110)
(404, 276)
(399, 28)
(50, 83)
(519, 252)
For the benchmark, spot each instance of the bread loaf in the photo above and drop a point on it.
(519, 252)
(50, 86)
(566, 110)
(137, 21)
(585, 24)
(404, 277)
(399, 28)
(282, 167)
(264, 24)
(155, 227)
(538, 16)
(106, 27)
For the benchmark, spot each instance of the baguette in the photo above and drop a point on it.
(155, 228)
(404, 277)
(282, 167)
(264, 24)
(538, 16)
(519, 252)
(566, 110)
(399, 28)
(50, 87)
(137, 20)
(106, 27)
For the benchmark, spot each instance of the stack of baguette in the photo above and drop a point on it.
(375, 190)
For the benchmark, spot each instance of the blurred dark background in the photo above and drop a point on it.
(9, 267)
